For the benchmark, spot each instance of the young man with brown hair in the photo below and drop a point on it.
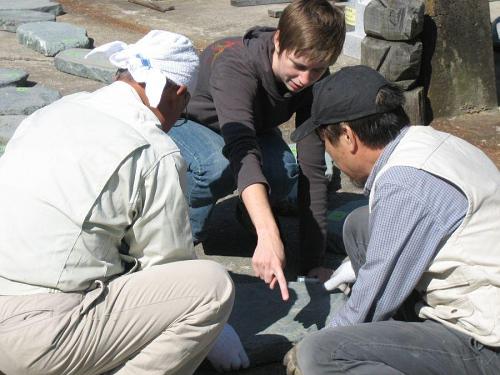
(247, 87)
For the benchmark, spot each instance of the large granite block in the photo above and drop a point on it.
(25, 100)
(353, 39)
(11, 19)
(8, 125)
(39, 5)
(96, 67)
(398, 62)
(352, 44)
(458, 70)
(415, 106)
(12, 77)
(268, 326)
(394, 19)
(49, 38)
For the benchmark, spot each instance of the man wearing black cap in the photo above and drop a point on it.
(425, 251)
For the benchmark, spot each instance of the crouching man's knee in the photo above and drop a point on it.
(326, 352)
(219, 286)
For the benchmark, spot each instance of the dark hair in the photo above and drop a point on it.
(377, 130)
(312, 28)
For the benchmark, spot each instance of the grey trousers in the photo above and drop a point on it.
(162, 320)
(391, 347)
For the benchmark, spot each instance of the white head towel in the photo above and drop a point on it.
(154, 58)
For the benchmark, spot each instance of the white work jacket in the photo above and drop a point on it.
(85, 183)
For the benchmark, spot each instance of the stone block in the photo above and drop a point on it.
(398, 62)
(96, 67)
(8, 125)
(12, 77)
(49, 38)
(394, 19)
(268, 326)
(352, 44)
(39, 5)
(458, 71)
(353, 39)
(11, 19)
(415, 106)
(25, 100)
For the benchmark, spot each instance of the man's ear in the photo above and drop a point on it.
(349, 137)
(276, 41)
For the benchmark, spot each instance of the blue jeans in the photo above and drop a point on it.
(210, 178)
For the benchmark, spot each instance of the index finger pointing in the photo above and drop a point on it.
(283, 285)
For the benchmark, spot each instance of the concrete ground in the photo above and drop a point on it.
(205, 21)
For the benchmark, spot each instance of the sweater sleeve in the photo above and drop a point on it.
(234, 88)
(312, 193)
(312, 196)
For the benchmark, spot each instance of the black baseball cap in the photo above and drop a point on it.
(347, 95)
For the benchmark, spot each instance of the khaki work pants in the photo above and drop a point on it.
(162, 320)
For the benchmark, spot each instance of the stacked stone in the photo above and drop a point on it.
(33, 21)
(392, 47)
(18, 99)
(50, 38)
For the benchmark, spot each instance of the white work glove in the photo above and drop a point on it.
(228, 353)
(342, 276)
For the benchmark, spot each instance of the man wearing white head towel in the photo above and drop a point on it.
(97, 268)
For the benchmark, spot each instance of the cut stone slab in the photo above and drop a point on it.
(268, 326)
(39, 5)
(49, 38)
(25, 100)
(12, 77)
(96, 67)
(394, 19)
(11, 19)
(353, 39)
(398, 62)
(415, 106)
(352, 44)
(8, 125)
